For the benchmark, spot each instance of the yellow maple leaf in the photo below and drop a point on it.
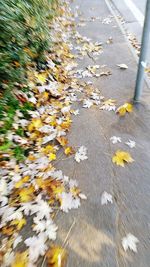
(21, 260)
(66, 124)
(44, 96)
(41, 77)
(122, 157)
(26, 194)
(19, 223)
(22, 181)
(58, 189)
(35, 124)
(56, 257)
(48, 149)
(127, 107)
(69, 151)
(52, 156)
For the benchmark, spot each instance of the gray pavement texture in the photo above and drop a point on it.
(95, 240)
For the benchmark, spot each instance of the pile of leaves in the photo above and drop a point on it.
(36, 116)
(37, 105)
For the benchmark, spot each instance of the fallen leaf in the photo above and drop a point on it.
(37, 246)
(109, 105)
(82, 196)
(52, 156)
(22, 181)
(68, 201)
(48, 149)
(41, 77)
(26, 194)
(69, 151)
(56, 257)
(8, 230)
(129, 242)
(105, 198)
(62, 141)
(122, 66)
(19, 223)
(21, 260)
(87, 103)
(34, 125)
(115, 139)
(127, 107)
(122, 157)
(81, 154)
(105, 73)
(130, 143)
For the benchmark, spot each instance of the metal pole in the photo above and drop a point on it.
(143, 54)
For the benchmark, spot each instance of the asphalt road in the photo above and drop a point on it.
(133, 12)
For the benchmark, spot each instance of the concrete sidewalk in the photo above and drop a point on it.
(95, 240)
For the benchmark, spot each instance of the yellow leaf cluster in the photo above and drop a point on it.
(26, 194)
(127, 107)
(48, 149)
(19, 223)
(35, 124)
(52, 187)
(122, 157)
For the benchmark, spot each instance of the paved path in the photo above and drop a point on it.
(95, 240)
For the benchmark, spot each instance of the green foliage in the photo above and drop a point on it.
(24, 36)
(5, 146)
(19, 153)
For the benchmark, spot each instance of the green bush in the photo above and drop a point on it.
(24, 37)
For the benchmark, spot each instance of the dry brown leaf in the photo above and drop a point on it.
(8, 230)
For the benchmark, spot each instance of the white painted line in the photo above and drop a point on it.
(136, 12)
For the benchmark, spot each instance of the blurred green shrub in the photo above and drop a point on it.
(24, 40)
(24, 36)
